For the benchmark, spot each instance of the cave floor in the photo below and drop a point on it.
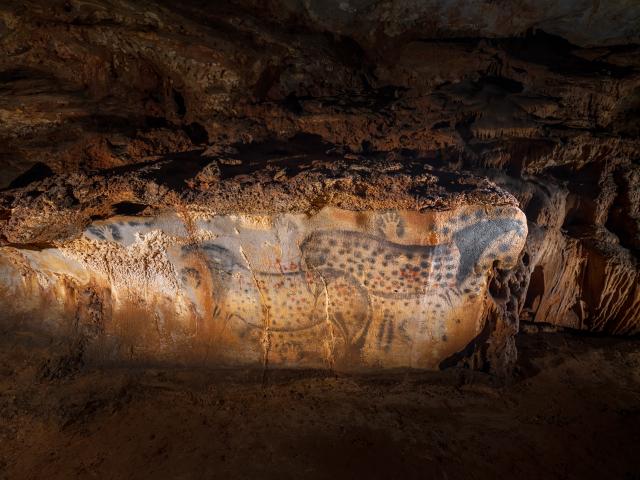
(573, 411)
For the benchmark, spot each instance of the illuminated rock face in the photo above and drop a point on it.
(338, 289)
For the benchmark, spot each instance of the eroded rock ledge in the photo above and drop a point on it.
(331, 263)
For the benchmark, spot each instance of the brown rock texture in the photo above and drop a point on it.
(114, 108)
(194, 423)
(324, 263)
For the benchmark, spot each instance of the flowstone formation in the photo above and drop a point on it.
(266, 283)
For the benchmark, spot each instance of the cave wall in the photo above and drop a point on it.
(339, 289)
(542, 98)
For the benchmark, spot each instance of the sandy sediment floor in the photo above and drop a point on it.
(573, 411)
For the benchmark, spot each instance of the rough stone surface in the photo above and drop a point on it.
(113, 107)
(195, 423)
(390, 269)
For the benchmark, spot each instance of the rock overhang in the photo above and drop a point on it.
(343, 262)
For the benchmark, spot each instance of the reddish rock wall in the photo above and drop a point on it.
(332, 288)
(117, 108)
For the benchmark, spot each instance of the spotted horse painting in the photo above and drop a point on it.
(337, 289)
(379, 289)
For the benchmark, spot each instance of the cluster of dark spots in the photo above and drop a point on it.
(391, 268)
(386, 331)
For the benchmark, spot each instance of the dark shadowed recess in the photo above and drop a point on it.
(37, 172)
(174, 169)
(128, 208)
